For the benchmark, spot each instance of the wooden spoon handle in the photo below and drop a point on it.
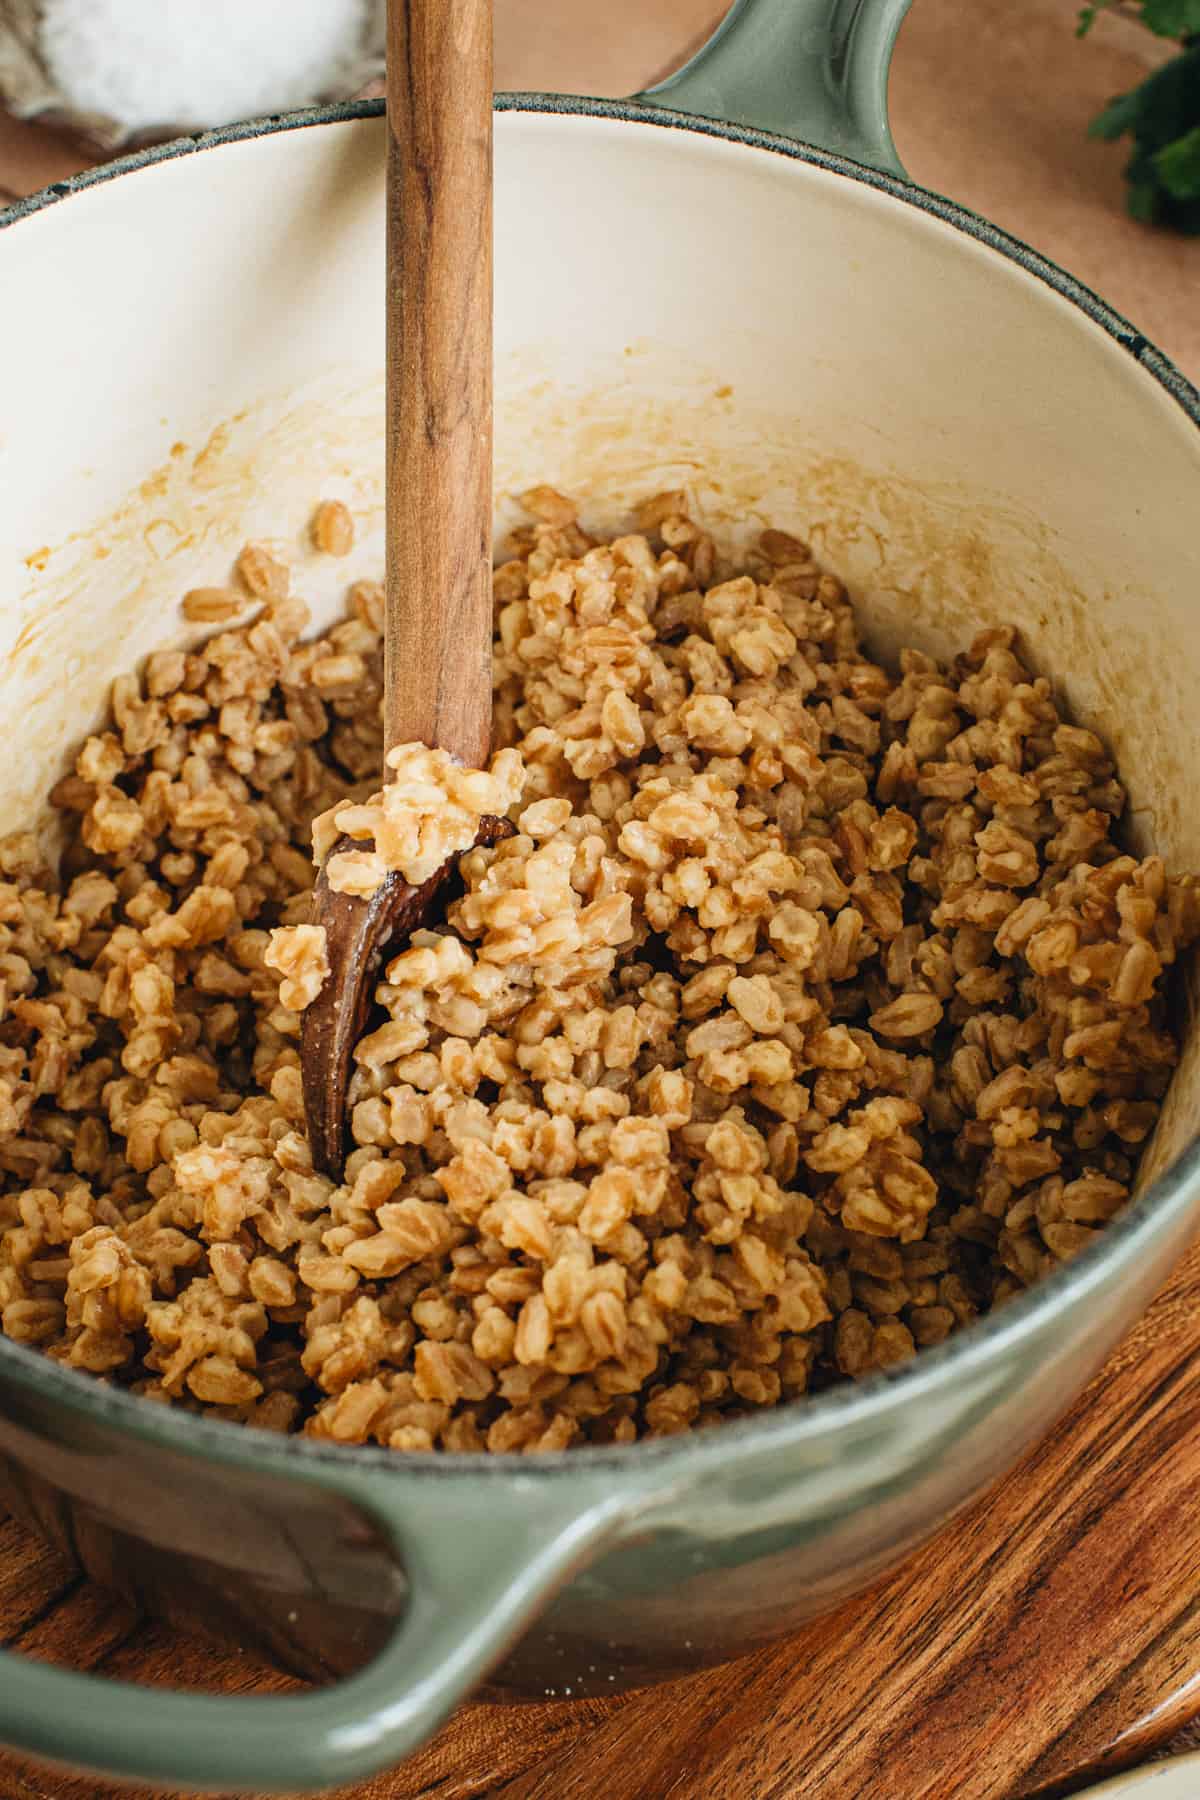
(438, 639)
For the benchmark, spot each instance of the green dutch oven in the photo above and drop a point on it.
(726, 281)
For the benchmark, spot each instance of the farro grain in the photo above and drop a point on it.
(811, 1011)
(333, 528)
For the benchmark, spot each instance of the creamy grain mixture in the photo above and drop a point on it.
(812, 1011)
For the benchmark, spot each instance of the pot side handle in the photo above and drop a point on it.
(480, 1563)
(814, 70)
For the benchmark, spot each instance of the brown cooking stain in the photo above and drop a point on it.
(163, 538)
(210, 453)
(26, 638)
(155, 486)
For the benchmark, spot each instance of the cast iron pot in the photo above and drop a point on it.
(800, 336)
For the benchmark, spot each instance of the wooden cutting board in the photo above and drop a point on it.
(1050, 1634)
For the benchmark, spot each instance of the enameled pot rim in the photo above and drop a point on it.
(1119, 1246)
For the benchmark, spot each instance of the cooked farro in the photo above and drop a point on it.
(333, 528)
(813, 1010)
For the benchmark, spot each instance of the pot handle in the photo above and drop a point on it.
(480, 1563)
(815, 70)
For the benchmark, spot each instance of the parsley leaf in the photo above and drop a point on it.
(1178, 166)
(1162, 116)
(1172, 18)
(1119, 116)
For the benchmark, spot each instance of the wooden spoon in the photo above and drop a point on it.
(438, 620)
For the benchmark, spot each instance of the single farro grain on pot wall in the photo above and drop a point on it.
(812, 1010)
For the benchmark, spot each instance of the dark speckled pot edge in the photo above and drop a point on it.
(1022, 1315)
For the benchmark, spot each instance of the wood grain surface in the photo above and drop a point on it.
(438, 628)
(1049, 1634)
(437, 668)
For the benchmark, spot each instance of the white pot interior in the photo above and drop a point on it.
(200, 359)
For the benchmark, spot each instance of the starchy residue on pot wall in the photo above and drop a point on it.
(812, 1011)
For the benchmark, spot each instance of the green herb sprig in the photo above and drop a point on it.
(1162, 115)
